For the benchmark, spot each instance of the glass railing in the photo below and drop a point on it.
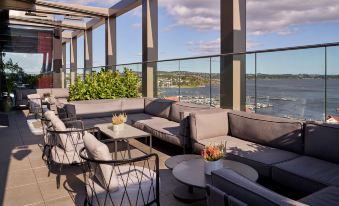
(299, 82)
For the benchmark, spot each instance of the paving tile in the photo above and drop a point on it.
(63, 201)
(50, 191)
(20, 178)
(24, 195)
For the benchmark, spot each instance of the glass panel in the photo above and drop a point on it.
(168, 74)
(195, 84)
(250, 83)
(332, 101)
(291, 84)
(215, 81)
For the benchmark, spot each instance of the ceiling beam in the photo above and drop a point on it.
(63, 24)
(44, 10)
(17, 5)
(123, 6)
(88, 10)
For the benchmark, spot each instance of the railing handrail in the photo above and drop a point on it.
(310, 46)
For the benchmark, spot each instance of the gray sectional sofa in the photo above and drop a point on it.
(301, 155)
(159, 117)
(21, 99)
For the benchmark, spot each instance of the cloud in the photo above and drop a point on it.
(263, 17)
(211, 47)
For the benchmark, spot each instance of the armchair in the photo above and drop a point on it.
(118, 182)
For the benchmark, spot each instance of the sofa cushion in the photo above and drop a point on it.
(165, 130)
(322, 141)
(60, 93)
(275, 132)
(139, 120)
(104, 173)
(97, 108)
(208, 124)
(158, 107)
(133, 105)
(178, 107)
(258, 156)
(306, 173)
(247, 191)
(324, 197)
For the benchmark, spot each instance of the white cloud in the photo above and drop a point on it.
(213, 46)
(275, 16)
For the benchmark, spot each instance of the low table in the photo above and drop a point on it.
(129, 132)
(191, 172)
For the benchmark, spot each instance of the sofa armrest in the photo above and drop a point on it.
(216, 197)
(247, 191)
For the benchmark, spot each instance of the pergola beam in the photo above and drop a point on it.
(124, 6)
(62, 24)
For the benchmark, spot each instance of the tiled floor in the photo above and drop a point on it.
(25, 179)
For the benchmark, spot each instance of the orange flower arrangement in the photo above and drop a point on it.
(119, 119)
(214, 152)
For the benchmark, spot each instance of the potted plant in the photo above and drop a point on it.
(213, 155)
(118, 121)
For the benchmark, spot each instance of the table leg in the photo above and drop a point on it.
(150, 144)
(128, 149)
(189, 194)
(116, 150)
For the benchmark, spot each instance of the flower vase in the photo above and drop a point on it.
(118, 127)
(213, 165)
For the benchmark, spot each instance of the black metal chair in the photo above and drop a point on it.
(34, 105)
(131, 182)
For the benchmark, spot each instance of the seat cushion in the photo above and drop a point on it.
(324, 197)
(322, 141)
(271, 131)
(88, 123)
(131, 177)
(158, 107)
(258, 156)
(306, 173)
(140, 120)
(61, 156)
(165, 130)
(104, 173)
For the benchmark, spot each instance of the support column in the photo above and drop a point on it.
(57, 60)
(73, 59)
(63, 69)
(88, 51)
(111, 44)
(149, 47)
(233, 68)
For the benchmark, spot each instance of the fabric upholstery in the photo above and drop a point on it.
(60, 156)
(324, 197)
(140, 120)
(208, 124)
(216, 197)
(165, 130)
(104, 173)
(178, 107)
(158, 107)
(60, 92)
(322, 141)
(247, 191)
(275, 132)
(136, 194)
(258, 156)
(306, 173)
(49, 115)
(67, 141)
(97, 108)
(133, 105)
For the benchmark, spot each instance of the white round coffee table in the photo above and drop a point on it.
(192, 174)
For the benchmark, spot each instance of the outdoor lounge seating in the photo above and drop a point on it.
(109, 182)
(34, 105)
(159, 117)
(21, 95)
(299, 155)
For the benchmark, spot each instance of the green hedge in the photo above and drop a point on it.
(105, 85)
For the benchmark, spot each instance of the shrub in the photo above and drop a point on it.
(105, 85)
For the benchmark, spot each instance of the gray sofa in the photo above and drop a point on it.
(21, 99)
(301, 155)
(159, 117)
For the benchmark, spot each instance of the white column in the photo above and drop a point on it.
(57, 59)
(149, 47)
(233, 40)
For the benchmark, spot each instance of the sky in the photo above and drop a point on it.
(191, 28)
